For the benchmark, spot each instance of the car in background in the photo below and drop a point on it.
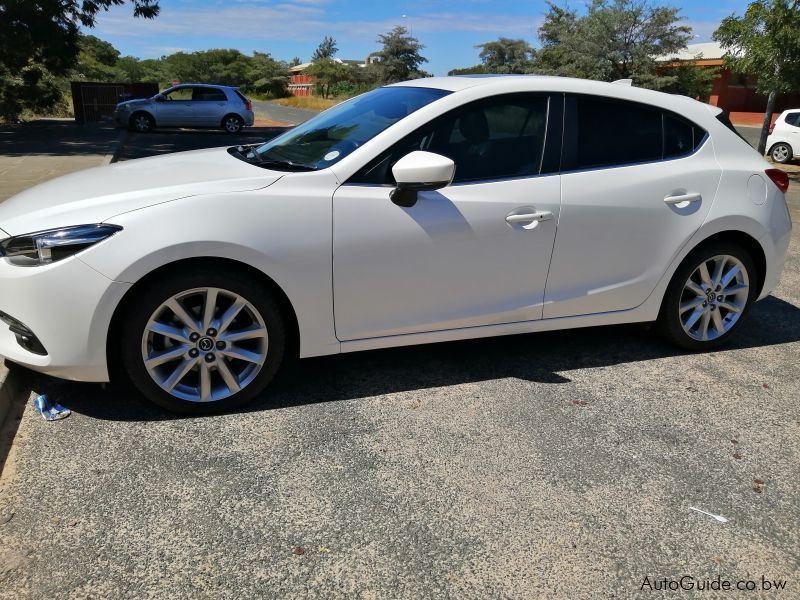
(783, 143)
(188, 105)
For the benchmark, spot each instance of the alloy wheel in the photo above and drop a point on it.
(714, 297)
(204, 344)
(232, 124)
(780, 153)
(141, 123)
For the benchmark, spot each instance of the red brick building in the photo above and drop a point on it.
(731, 92)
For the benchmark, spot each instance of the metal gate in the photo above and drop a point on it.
(94, 101)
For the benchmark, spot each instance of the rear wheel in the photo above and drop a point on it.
(141, 122)
(232, 123)
(708, 296)
(202, 342)
(781, 153)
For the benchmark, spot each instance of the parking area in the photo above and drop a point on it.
(561, 464)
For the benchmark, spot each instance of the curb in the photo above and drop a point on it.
(115, 148)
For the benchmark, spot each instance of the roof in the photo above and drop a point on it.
(303, 66)
(209, 85)
(704, 51)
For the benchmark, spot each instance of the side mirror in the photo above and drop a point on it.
(417, 172)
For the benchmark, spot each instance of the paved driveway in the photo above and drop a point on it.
(560, 464)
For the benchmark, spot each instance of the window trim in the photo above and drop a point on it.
(551, 151)
(570, 142)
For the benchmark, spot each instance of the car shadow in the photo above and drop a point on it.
(165, 141)
(56, 137)
(545, 358)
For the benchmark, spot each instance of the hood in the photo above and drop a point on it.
(134, 102)
(95, 195)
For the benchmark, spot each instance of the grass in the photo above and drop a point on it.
(309, 102)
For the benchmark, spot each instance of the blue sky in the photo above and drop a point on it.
(449, 29)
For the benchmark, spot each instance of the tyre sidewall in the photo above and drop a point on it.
(153, 295)
(669, 322)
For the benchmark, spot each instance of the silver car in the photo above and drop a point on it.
(188, 105)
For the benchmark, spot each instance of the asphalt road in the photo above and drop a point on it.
(276, 112)
(559, 465)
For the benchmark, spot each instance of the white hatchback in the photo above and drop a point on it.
(431, 210)
(783, 143)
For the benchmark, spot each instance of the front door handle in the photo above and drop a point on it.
(541, 215)
(683, 198)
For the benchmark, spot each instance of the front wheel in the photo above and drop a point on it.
(232, 123)
(781, 153)
(708, 296)
(202, 342)
(141, 122)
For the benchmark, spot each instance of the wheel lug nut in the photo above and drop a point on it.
(713, 306)
(705, 304)
(210, 357)
(212, 332)
(193, 353)
(719, 287)
(719, 298)
(194, 337)
(221, 345)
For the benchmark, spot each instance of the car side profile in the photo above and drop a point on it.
(431, 210)
(188, 105)
(783, 143)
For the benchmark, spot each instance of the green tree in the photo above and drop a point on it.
(267, 75)
(695, 81)
(765, 42)
(506, 55)
(97, 60)
(40, 44)
(329, 72)
(327, 49)
(399, 58)
(615, 39)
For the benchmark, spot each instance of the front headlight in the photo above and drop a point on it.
(45, 247)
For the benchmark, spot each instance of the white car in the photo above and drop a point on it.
(431, 210)
(783, 143)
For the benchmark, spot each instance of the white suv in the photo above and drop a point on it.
(783, 142)
(433, 210)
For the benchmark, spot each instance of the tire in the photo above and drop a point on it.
(141, 122)
(685, 329)
(781, 153)
(203, 374)
(232, 123)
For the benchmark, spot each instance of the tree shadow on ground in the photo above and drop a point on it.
(545, 358)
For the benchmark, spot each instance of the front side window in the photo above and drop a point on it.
(498, 138)
(181, 94)
(327, 138)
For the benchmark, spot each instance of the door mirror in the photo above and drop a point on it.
(420, 171)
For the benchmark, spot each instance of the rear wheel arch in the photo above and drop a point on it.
(212, 263)
(748, 243)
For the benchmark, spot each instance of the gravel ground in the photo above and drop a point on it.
(559, 465)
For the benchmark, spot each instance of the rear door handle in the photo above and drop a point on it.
(541, 215)
(681, 198)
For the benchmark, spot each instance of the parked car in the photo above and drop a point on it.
(783, 143)
(431, 210)
(188, 105)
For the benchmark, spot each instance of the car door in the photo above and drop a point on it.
(637, 183)
(792, 131)
(208, 106)
(473, 253)
(175, 110)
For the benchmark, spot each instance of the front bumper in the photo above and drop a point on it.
(121, 118)
(68, 306)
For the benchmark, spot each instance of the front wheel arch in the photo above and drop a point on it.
(288, 313)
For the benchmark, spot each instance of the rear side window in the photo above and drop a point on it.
(203, 94)
(491, 139)
(604, 132)
(241, 96)
(793, 119)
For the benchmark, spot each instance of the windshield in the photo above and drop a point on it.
(329, 137)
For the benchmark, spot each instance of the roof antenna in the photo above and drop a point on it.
(628, 82)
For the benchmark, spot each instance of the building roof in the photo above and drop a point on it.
(303, 66)
(704, 51)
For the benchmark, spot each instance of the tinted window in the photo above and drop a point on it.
(615, 133)
(180, 94)
(500, 138)
(330, 136)
(202, 94)
(793, 119)
(680, 136)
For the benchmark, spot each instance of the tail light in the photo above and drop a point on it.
(771, 128)
(779, 178)
(248, 105)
